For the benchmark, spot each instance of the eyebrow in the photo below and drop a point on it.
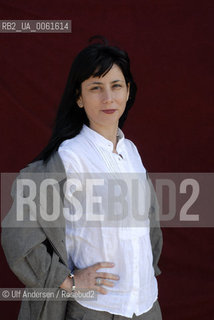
(98, 82)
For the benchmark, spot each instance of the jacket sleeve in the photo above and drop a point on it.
(28, 251)
(155, 230)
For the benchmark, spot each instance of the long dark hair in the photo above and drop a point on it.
(95, 60)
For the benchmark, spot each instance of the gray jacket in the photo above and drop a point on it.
(36, 252)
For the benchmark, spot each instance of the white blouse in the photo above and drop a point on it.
(126, 241)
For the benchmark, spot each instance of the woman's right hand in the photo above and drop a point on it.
(85, 279)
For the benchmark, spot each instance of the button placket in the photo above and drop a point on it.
(136, 278)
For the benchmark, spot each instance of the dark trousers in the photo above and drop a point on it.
(76, 311)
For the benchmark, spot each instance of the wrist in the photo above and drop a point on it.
(72, 277)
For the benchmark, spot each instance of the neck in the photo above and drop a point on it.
(109, 133)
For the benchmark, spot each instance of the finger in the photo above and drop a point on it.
(107, 275)
(107, 283)
(103, 265)
(101, 290)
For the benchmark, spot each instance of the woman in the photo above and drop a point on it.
(120, 264)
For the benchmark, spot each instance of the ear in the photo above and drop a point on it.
(128, 91)
(79, 102)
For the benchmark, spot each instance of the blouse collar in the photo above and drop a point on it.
(100, 140)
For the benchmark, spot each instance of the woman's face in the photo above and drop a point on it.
(104, 99)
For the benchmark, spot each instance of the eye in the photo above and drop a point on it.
(95, 88)
(117, 86)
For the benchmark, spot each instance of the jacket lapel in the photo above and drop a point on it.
(55, 230)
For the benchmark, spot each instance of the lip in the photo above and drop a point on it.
(109, 111)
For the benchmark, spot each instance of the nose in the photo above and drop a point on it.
(107, 96)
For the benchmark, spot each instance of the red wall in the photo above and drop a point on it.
(170, 44)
